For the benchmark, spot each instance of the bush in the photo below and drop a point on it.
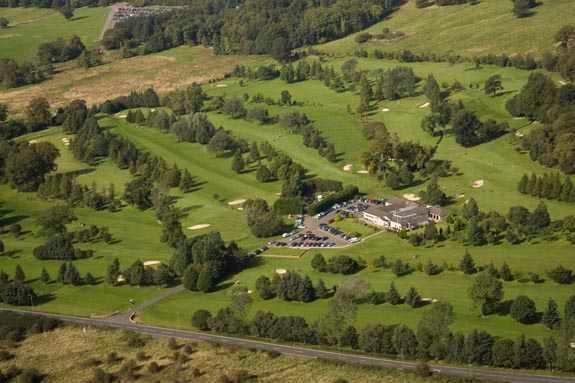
(561, 275)
(201, 320)
(523, 310)
(423, 369)
(342, 264)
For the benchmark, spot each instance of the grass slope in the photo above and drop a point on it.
(30, 27)
(488, 27)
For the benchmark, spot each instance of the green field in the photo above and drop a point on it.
(30, 27)
(488, 27)
(497, 163)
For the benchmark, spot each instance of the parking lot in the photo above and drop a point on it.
(316, 231)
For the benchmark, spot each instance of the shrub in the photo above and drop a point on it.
(201, 320)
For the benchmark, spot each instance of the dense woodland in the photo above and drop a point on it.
(250, 27)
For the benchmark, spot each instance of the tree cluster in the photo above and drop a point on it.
(549, 186)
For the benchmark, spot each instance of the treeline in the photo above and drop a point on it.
(203, 261)
(138, 274)
(14, 74)
(548, 186)
(551, 143)
(255, 27)
(432, 339)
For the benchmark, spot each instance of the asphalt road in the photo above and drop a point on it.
(122, 321)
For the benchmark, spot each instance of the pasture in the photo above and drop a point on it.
(30, 27)
(469, 30)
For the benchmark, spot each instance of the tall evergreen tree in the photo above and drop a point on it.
(19, 275)
(551, 317)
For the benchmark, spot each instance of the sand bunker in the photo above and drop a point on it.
(152, 263)
(281, 271)
(424, 105)
(199, 227)
(236, 202)
(562, 82)
(477, 184)
(385, 110)
(221, 85)
(519, 118)
(32, 142)
(121, 279)
(519, 134)
(348, 168)
(411, 197)
(362, 171)
(461, 196)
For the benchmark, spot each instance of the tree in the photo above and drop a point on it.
(521, 8)
(113, 272)
(67, 11)
(486, 292)
(433, 195)
(38, 112)
(138, 192)
(413, 298)
(2, 247)
(238, 163)
(19, 275)
(433, 329)
(503, 354)
(467, 264)
(318, 263)
(393, 296)
(201, 320)
(206, 281)
(54, 220)
(551, 318)
(570, 309)
(320, 290)
(44, 276)
(523, 310)
(27, 165)
(263, 174)
(186, 181)
(190, 278)
(3, 112)
(505, 273)
(523, 186)
(493, 85)
(404, 341)
(264, 288)
(540, 218)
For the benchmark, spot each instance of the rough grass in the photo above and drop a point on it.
(488, 27)
(165, 71)
(63, 353)
(30, 27)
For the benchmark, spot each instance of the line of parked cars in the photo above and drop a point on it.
(307, 239)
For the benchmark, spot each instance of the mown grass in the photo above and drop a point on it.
(488, 27)
(30, 27)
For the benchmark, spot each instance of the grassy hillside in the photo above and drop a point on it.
(30, 27)
(488, 27)
(165, 71)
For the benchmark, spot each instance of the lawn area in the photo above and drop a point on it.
(448, 286)
(497, 162)
(218, 183)
(352, 225)
(30, 27)
(487, 27)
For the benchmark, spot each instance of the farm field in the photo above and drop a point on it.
(469, 30)
(30, 27)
